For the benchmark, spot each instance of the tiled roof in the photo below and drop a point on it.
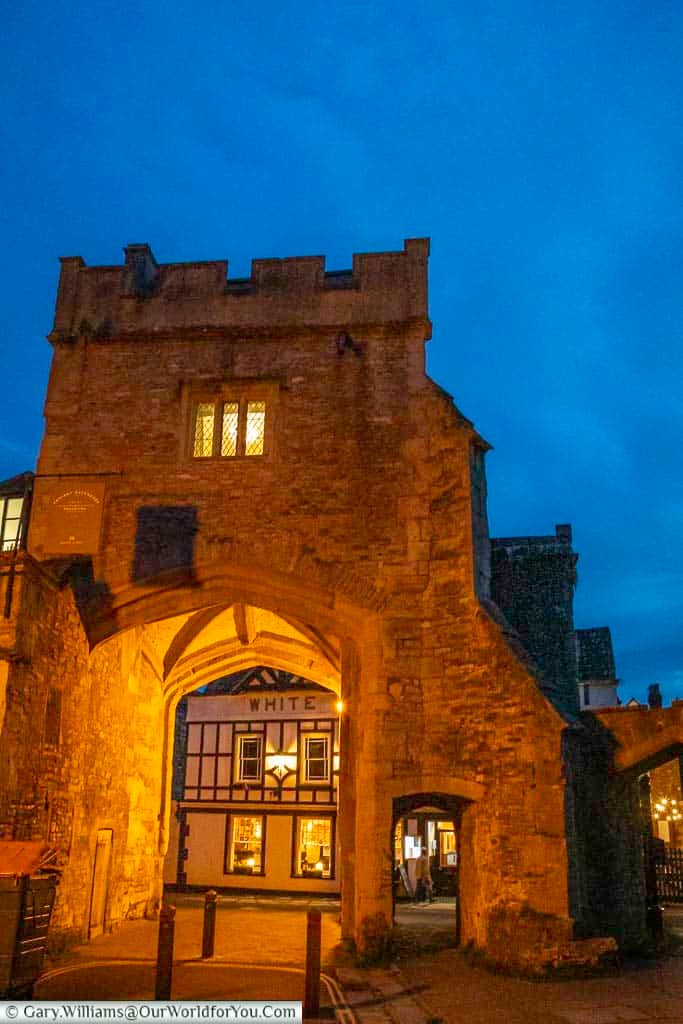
(15, 484)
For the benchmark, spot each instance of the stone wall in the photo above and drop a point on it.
(607, 882)
(103, 771)
(532, 582)
(363, 518)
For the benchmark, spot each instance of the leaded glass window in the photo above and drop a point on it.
(228, 429)
(256, 428)
(203, 431)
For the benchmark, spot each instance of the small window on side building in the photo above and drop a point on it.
(10, 523)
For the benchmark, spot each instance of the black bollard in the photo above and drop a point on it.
(162, 988)
(312, 989)
(209, 933)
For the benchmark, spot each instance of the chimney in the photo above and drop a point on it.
(654, 696)
(141, 269)
(563, 533)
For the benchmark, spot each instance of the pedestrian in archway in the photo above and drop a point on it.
(423, 874)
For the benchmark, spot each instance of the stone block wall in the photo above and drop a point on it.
(364, 517)
(532, 582)
(607, 882)
(100, 766)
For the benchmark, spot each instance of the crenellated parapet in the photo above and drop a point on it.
(144, 296)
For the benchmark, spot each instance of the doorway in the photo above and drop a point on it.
(100, 882)
(425, 841)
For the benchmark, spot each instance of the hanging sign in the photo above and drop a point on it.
(66, 517)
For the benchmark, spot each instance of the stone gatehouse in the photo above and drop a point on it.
(259, 472)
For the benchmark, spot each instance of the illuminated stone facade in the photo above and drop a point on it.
(260, 472)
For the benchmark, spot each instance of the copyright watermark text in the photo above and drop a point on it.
(251, 1012)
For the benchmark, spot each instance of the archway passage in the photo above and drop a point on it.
(255, 789)
(635, 851)
(426, 852)
(128, 688)
(195, 648)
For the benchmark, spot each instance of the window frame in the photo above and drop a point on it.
(17, 542)
(217, 394)
(228, 854)
(311, 815)
(305, 759)
(238, 777)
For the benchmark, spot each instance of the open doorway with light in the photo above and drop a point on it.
(426, 867)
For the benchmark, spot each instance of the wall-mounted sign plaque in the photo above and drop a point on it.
(66, 517)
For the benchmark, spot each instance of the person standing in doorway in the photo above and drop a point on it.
(423, 875)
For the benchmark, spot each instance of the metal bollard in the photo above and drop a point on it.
(162, 987)
(209, 933)
(312, 989)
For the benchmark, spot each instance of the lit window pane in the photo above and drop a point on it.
(203, 431)
(314, 847)
(10, 509)
(9, 534)
(11, 529)
(256, 427)
(229, 432)
(448, 856)
(246, 845)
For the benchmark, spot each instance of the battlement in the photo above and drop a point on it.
(560, 542)
(142, 295)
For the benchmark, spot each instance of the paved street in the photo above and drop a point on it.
(135, 980)
(260, 953)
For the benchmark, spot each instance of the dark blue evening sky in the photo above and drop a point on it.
(538, 144)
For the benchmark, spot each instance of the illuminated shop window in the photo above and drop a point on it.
(316, 759)
(313, 848)
(10, 522)
(249, 758)
(228, 429)
(245, 847)
(448, 857)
